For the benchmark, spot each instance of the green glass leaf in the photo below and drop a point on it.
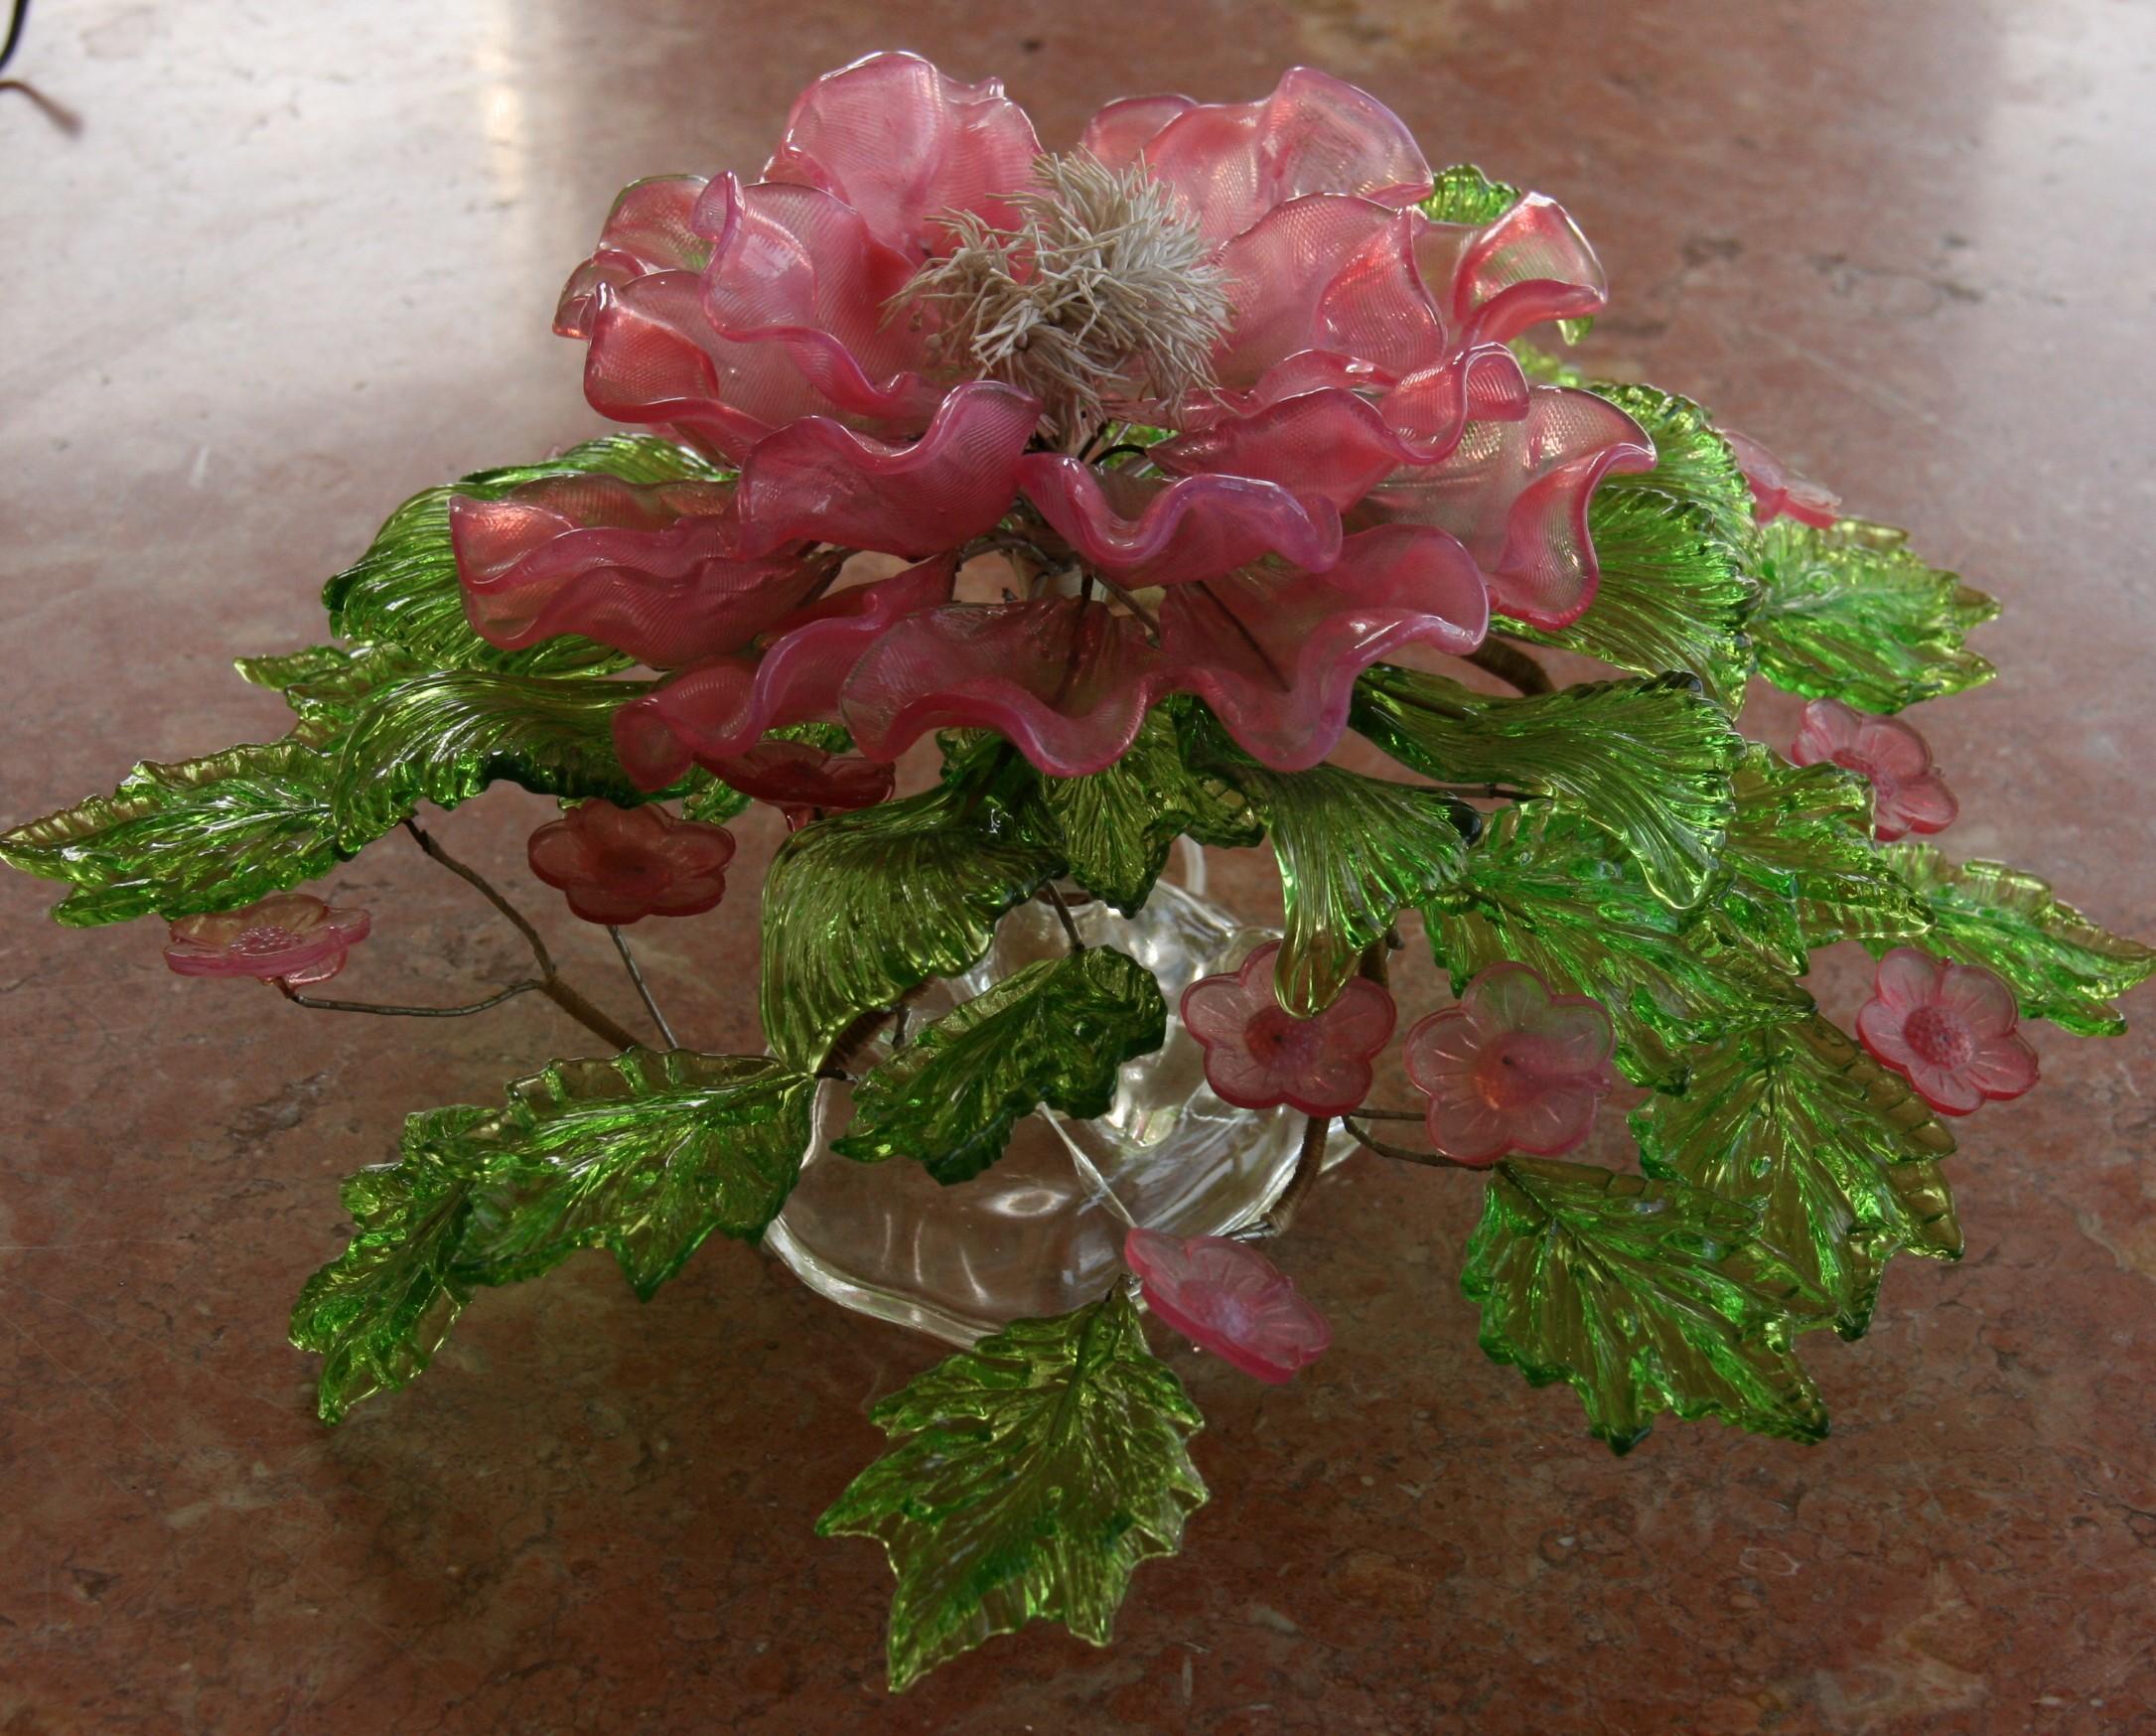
(1693, 462)
(403, 591)
(1837, 1155)
(1851, 614)
(1553, 891)
(1647, 759)
(1673, 595)
(1354, 852)
(378, 1312)
(1544, 368)
(2062, 967)
(1056, 1032)
(1031, 1475)
(1645, 1295)
(188, 836)
(1462, 193)
(1802, 868)
(327, 685)
(860, 907)
(445, 737)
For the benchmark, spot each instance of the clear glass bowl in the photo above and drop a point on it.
(1041, 1230)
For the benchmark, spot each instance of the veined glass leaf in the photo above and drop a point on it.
(1803, 868)
(403, 591)
(1850, 614)
(1645, 1295)
(1649, 761)
(445, 737)
(860, 907)
(1030, 1476)
(1693, 462)
(1056, 1032)
(1673, 595)
(1354, 852)
(1839, 1157)
(192, 835)
(1462, 193)
(1553, 891)
(2062, 967)
(1544, 368)
(327, 685)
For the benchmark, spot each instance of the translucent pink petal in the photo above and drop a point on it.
(620, 865)
(1880, 1027)
(2003, 1066)
(1516, 493)
(1149, 533)
(1891, 746)
(647, 230)
(1513, 1067)
(1979, 998)
(1506, 277)
(1117, 133)
(1216, 1009)
(1826, 729)
(1467, 1129)
(803, 774)
(292, 936)
(1950, 1091)
(814, 479)
(1229, 1298)
(1275, 655)
(901, 143)
(1777, 491)
(1258, 1056)
(1920, 804)
(1554, 1123)
(1907, 979)
(1360, 1022)
(1235, 161)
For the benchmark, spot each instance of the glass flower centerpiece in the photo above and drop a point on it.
(1125, 482)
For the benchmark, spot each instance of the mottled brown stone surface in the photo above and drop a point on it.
(295, 262)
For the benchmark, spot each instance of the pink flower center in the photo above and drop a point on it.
(1280, 1042)
(1940, 1037)
(631, 871)
(1516, 1070)
(262, 941)
(1884, 783)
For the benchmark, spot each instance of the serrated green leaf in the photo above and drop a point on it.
(403, 591)
(860, 907)
(1837, 1155)
(1056, 1032)
(1803, 868)
(1645, 1296)
(1851, 614)
(445, 737)
(327, 685)
(2060, 966)
(1673, 595)
(1649, 761)
(1354, 852)
(1554, 891)
(1031, 1475)
(1462, 193)
(188, 836)
(1541, 367)
(1693, 462)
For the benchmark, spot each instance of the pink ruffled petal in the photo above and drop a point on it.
(648, 230)
(1506, 277)
(1235, 161)
(902, 144)
(1177, 533)
(1276, 655)
(1120, 132)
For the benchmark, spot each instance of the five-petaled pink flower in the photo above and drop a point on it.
(873, 338)
(1908, 793)
(1229, 1298)
(1511, 1067)
(288, 937)
(1949, 1029)
(1777, 491)
(1259, 1055)
(620, 865)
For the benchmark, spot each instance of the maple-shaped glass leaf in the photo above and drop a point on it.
(1840, 1156)
(188, 836)
(1647, 759)
(860, 907)
(1803, 868)
(2060, 966)
(1693, 462)
(1354, 852)
(1056, 1032)
(1850, 614)
(403, 591)
(1028, 1478)
(1673, 595)
(1553, 891)
(1645, 1295)
(445, 737)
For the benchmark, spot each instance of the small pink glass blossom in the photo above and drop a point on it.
(1908, 793)
(1949, 1029)
(1777, 491)
(1259, 1055)
(288, 937)
(1512, 1067)
(620, 865)
(1228, 1298)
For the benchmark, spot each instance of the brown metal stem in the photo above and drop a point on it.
(1308, 1162)
(1511, 665)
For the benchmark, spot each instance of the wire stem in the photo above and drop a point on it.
(329, 1006)
(643, 991)
(1308, 1162)
(1063, 916)
(1384, 1148)
(1511, 665)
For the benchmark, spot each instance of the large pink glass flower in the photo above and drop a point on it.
(1229, 1298)
(620, 865)
(1949, 1029)
(1357, 462)
(1259, 1055)
(1511, 1067)
(1779, 492)
(288, 937)
(1908, 793)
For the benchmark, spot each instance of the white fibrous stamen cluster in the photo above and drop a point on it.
(1104, 293)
